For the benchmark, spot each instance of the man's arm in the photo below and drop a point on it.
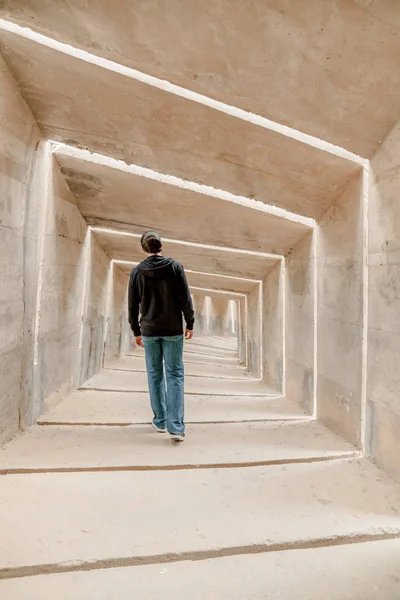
(186, 299)
(134, 304)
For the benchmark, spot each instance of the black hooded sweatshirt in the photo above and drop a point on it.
(158, 287)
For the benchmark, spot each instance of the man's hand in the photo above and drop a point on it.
(188, 334)
(139, 341)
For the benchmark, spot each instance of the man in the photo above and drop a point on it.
(158, 287)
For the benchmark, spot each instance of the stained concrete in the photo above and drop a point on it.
(345, 54)
(210, 260)
(93, 407)
(367, 571)
(75, 447)
(200, 510)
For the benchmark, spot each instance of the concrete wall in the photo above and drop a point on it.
(117, 319)
(213, 316)
(95, 311)
(383, 384)
(199, 304)
(340, 313)
(299, 327)
(273, 351)
(42, 268)
(242, 331)
(62, 287)
(254, 332)
(18, 249)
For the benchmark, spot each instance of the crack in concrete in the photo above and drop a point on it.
(378, 535)
(351, 455)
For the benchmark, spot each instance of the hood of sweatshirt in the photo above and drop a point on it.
(155, 266)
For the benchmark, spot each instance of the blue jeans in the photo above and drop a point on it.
(166, 394)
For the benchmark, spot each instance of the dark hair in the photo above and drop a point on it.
(151, 242)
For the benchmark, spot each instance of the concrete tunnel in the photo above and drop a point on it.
(261, 140)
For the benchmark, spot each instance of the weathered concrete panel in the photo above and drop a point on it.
(383, 384)
(340, 78)
(299, 324)
(169, 133)
(242, 332)
(209, 260)
(272, 328)
(18, 230)
(213, 316)
(117, 317)
(254, 332)
(95, 317)
(62, 291)
(340, 314)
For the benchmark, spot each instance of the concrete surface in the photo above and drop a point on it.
(206, 279)
(125, 381)
(299, 325)
(218, 444)
(61, 517)
(137, 363)
(19, 135)
(345, 55)
(117, 325)
(272, 328)
(204, 359)
(341, 313)
(63, 273)
(355, 572)
(91, 406)
(383, 407)
(254, 331)
(161, 143)
(218, 260)
(94, 187)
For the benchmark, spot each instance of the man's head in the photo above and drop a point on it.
(151, 242)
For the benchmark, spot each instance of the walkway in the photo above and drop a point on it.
(259, 502)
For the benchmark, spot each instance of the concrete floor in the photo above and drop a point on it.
(271, 502)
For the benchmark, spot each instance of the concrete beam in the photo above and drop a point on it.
(346, 51)
(125, 245)
(213, 148)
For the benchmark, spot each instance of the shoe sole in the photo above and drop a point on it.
(177, 438)
(158, 429)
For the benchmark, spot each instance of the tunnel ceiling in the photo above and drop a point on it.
(109, 197)
(317, 68)
(209, 260)
(209, 280)
(88, 106)
(328, 68)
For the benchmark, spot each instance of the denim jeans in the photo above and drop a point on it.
(166, 392)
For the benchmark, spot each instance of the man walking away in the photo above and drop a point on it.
(158, 288)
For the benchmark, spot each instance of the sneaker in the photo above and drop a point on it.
(159, 429)
(177, 437)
